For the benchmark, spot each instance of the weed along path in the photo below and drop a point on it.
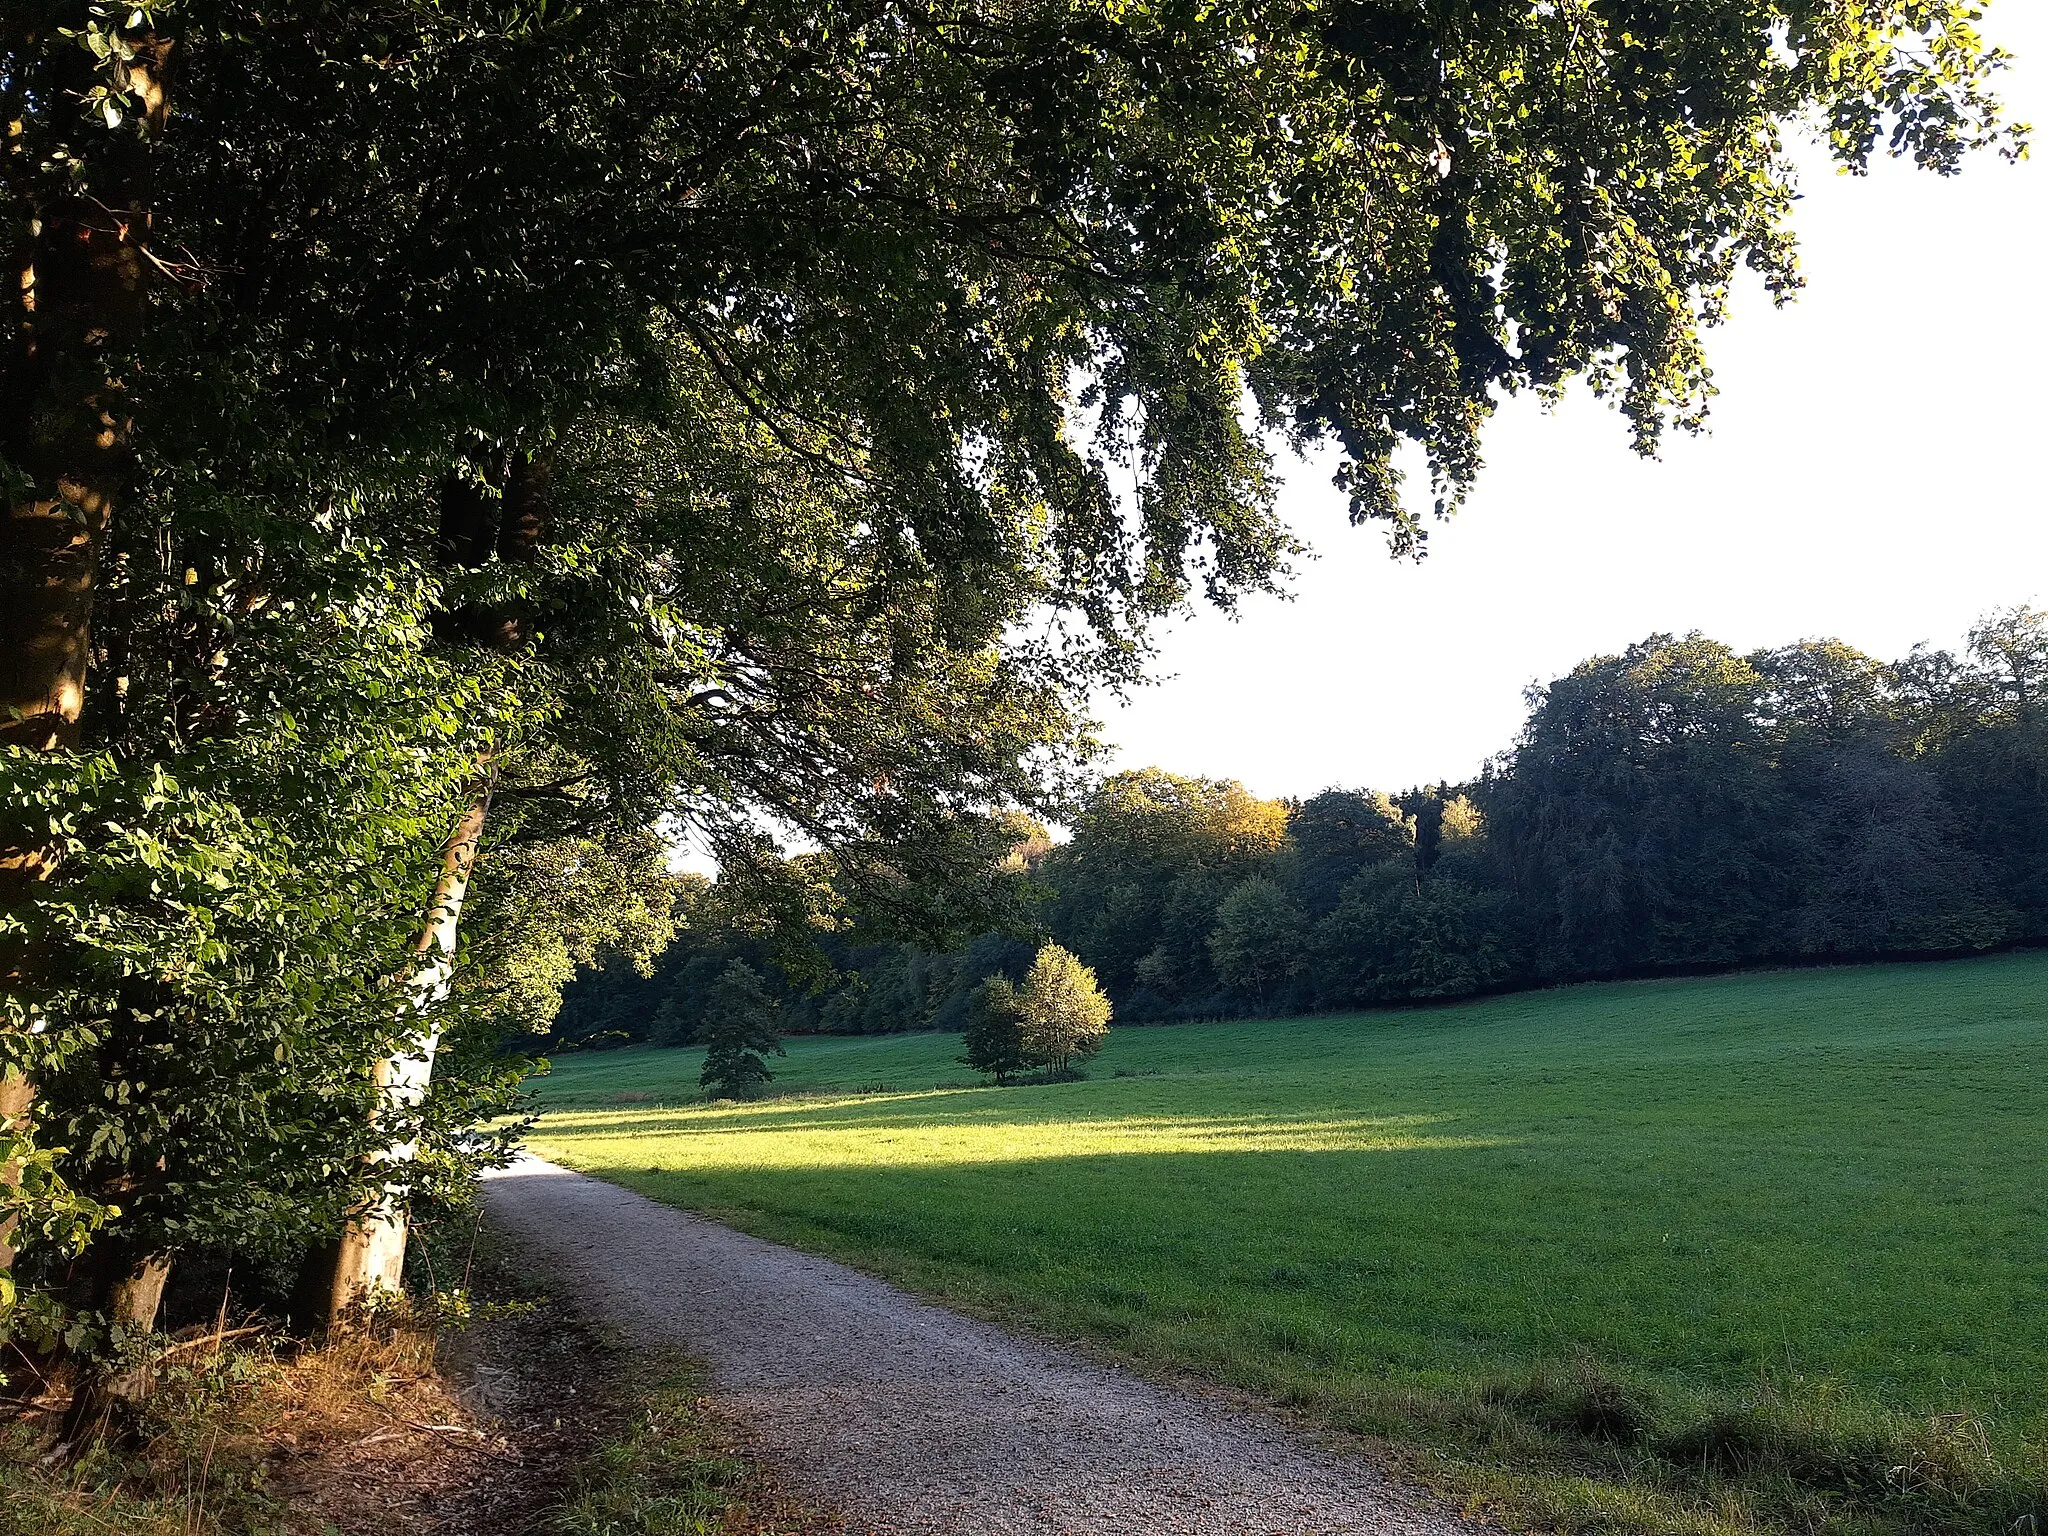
(912, 1419)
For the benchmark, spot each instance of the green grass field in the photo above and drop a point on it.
(1758, 1250)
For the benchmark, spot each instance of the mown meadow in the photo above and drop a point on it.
(1751, 1250)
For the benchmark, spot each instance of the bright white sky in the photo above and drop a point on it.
(1873, 472)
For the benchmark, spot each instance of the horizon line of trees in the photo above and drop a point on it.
(1678, 806)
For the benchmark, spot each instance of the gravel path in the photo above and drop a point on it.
(910, 1418)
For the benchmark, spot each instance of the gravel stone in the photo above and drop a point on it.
(911, 1419)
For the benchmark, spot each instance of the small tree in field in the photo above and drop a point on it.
(1064, 1012)
(739, 1030)
(995, 1029)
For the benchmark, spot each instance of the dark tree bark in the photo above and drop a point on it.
(127, 1288)
(77, 295)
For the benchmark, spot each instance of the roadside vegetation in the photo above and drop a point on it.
(672, 1467)
(1753, 1251)
(508, 1412)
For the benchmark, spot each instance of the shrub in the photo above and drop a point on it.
(1065, 1014)
(995, 1030)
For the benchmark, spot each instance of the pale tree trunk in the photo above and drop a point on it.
(372, 1258)
(76, 298)
(17, 1100)
(474, 527)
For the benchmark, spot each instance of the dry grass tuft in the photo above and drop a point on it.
(364, 1435)
(522, 1420)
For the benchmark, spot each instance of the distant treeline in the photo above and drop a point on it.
(1678, 806)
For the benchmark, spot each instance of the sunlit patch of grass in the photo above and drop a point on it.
(672, 1469)
(758, 1136)
(1753, 1252)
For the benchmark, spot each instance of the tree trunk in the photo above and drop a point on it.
(503, 510)
(17, 1100)
(372, 1257)
(75, 457)
(76, 301)
(128, 1289)
(137, 1293)
(72, 437)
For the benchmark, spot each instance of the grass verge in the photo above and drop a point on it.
(675, 1468)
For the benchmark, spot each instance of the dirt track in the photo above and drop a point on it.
(909, 1418)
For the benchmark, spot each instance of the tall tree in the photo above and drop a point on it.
(738, 1032)
(372, 1258)
(994, 1038)
(1985, 724)
(1258, 938)
(1152, 856)
(1339, 833)
(1642, 809)
(79, 201)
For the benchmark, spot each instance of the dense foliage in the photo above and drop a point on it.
(1674, 807)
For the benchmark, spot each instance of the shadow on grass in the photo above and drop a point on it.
(1803, 1456)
